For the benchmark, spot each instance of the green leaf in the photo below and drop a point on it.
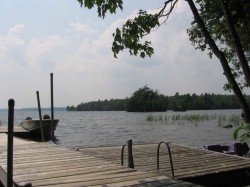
(81, 2)
(89, 4)
(236, 132)
(131, 34)
(142, 55)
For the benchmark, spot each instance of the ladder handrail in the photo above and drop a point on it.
(169, 154)
(130, 154)
(122, 153)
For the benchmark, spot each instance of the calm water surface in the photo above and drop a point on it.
(91, 129)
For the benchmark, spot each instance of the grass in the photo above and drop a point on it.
(222, 119)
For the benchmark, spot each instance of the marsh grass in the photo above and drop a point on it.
(235, 120)
(222, 120)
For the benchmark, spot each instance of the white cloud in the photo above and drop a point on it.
(11, 38)
(11, 49)
(40, 48)
(84, 69)
(16, 29)
(83, 27)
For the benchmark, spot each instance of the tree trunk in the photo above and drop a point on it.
(236, 40)
(221, 56)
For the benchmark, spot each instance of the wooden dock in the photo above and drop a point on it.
(45, 164)
(190, 164)
(17, 129)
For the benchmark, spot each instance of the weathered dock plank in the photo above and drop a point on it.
(189, 163)
(185, 158)
(45, 164)
(4, 129)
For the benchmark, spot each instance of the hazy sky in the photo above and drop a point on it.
(42, 37)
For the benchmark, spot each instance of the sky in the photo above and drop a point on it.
(42, 37)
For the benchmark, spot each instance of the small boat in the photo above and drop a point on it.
(236, 148)
(34, 129)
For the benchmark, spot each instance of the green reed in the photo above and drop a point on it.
(177, 117)
(192, 117)
(222, 119)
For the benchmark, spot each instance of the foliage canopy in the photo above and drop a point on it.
(215, 21)
(103, 6)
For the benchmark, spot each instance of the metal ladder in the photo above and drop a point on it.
(131, 160)
(169, 154)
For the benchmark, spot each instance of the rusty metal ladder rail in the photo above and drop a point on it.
(169, 154)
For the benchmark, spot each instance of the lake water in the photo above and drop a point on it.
(92, 129)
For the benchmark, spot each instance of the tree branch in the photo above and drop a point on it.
(161, 13)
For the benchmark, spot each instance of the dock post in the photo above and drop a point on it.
(40, 115)
(130, 155)
(52, 106)
(11, 105)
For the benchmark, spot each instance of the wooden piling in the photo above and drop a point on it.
(130, 155)
(40, 116)
(11, 104)
(52, 105)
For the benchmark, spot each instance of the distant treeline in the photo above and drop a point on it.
(106, 105)
(203, 102)
(148, 100)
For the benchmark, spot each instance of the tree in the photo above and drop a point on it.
(229, 31)
(146, 100)
(70, 108)
(178, 102)
(218, 18)
(219, 26)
